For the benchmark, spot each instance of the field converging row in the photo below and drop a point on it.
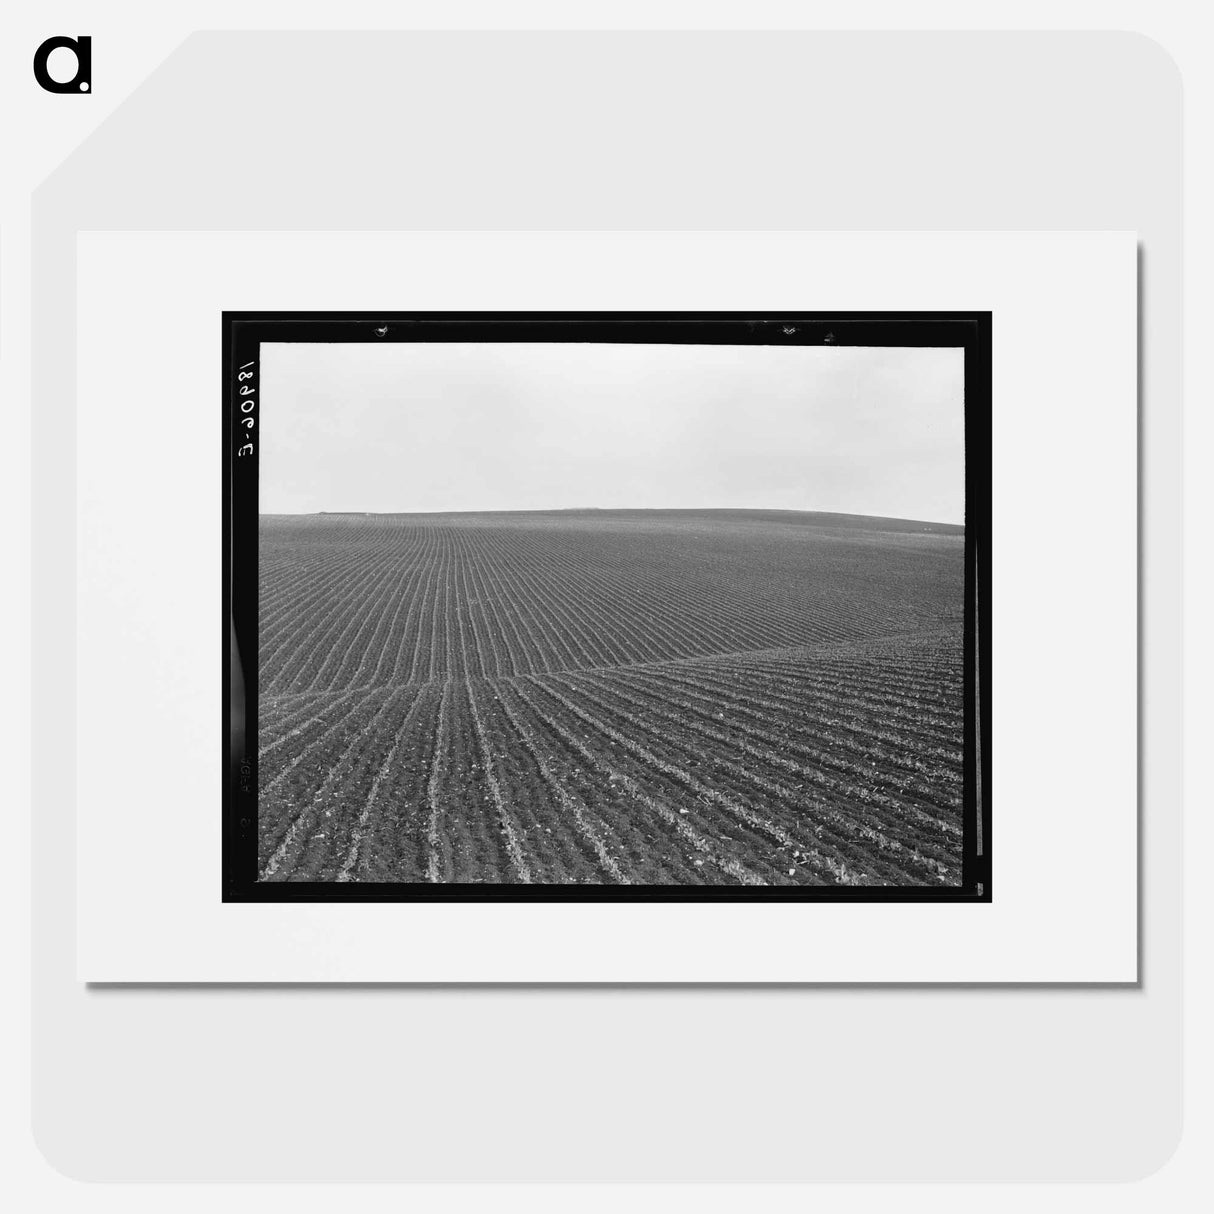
(709, 771)
(609, 698)
(356, 601)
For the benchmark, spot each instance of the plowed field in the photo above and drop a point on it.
(620, 697)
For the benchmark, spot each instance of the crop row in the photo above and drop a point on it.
(347, 602)
(840, 767)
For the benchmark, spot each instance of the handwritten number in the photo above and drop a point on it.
(247, 406)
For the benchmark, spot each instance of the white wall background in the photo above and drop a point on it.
(1082, 1084)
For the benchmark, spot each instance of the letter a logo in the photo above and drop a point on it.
(82, 81)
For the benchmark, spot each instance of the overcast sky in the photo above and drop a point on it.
(527, 426)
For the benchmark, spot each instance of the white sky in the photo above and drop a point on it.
(528, 426)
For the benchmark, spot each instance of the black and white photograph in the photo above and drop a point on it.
(603, 606)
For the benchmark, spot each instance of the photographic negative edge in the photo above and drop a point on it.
(243, 334)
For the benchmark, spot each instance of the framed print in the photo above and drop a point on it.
(603, 606)
(562, 561)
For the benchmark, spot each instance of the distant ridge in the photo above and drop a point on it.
(820, 518)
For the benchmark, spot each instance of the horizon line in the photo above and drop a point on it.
(622, 510)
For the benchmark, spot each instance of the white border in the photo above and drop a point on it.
(1064, 713)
